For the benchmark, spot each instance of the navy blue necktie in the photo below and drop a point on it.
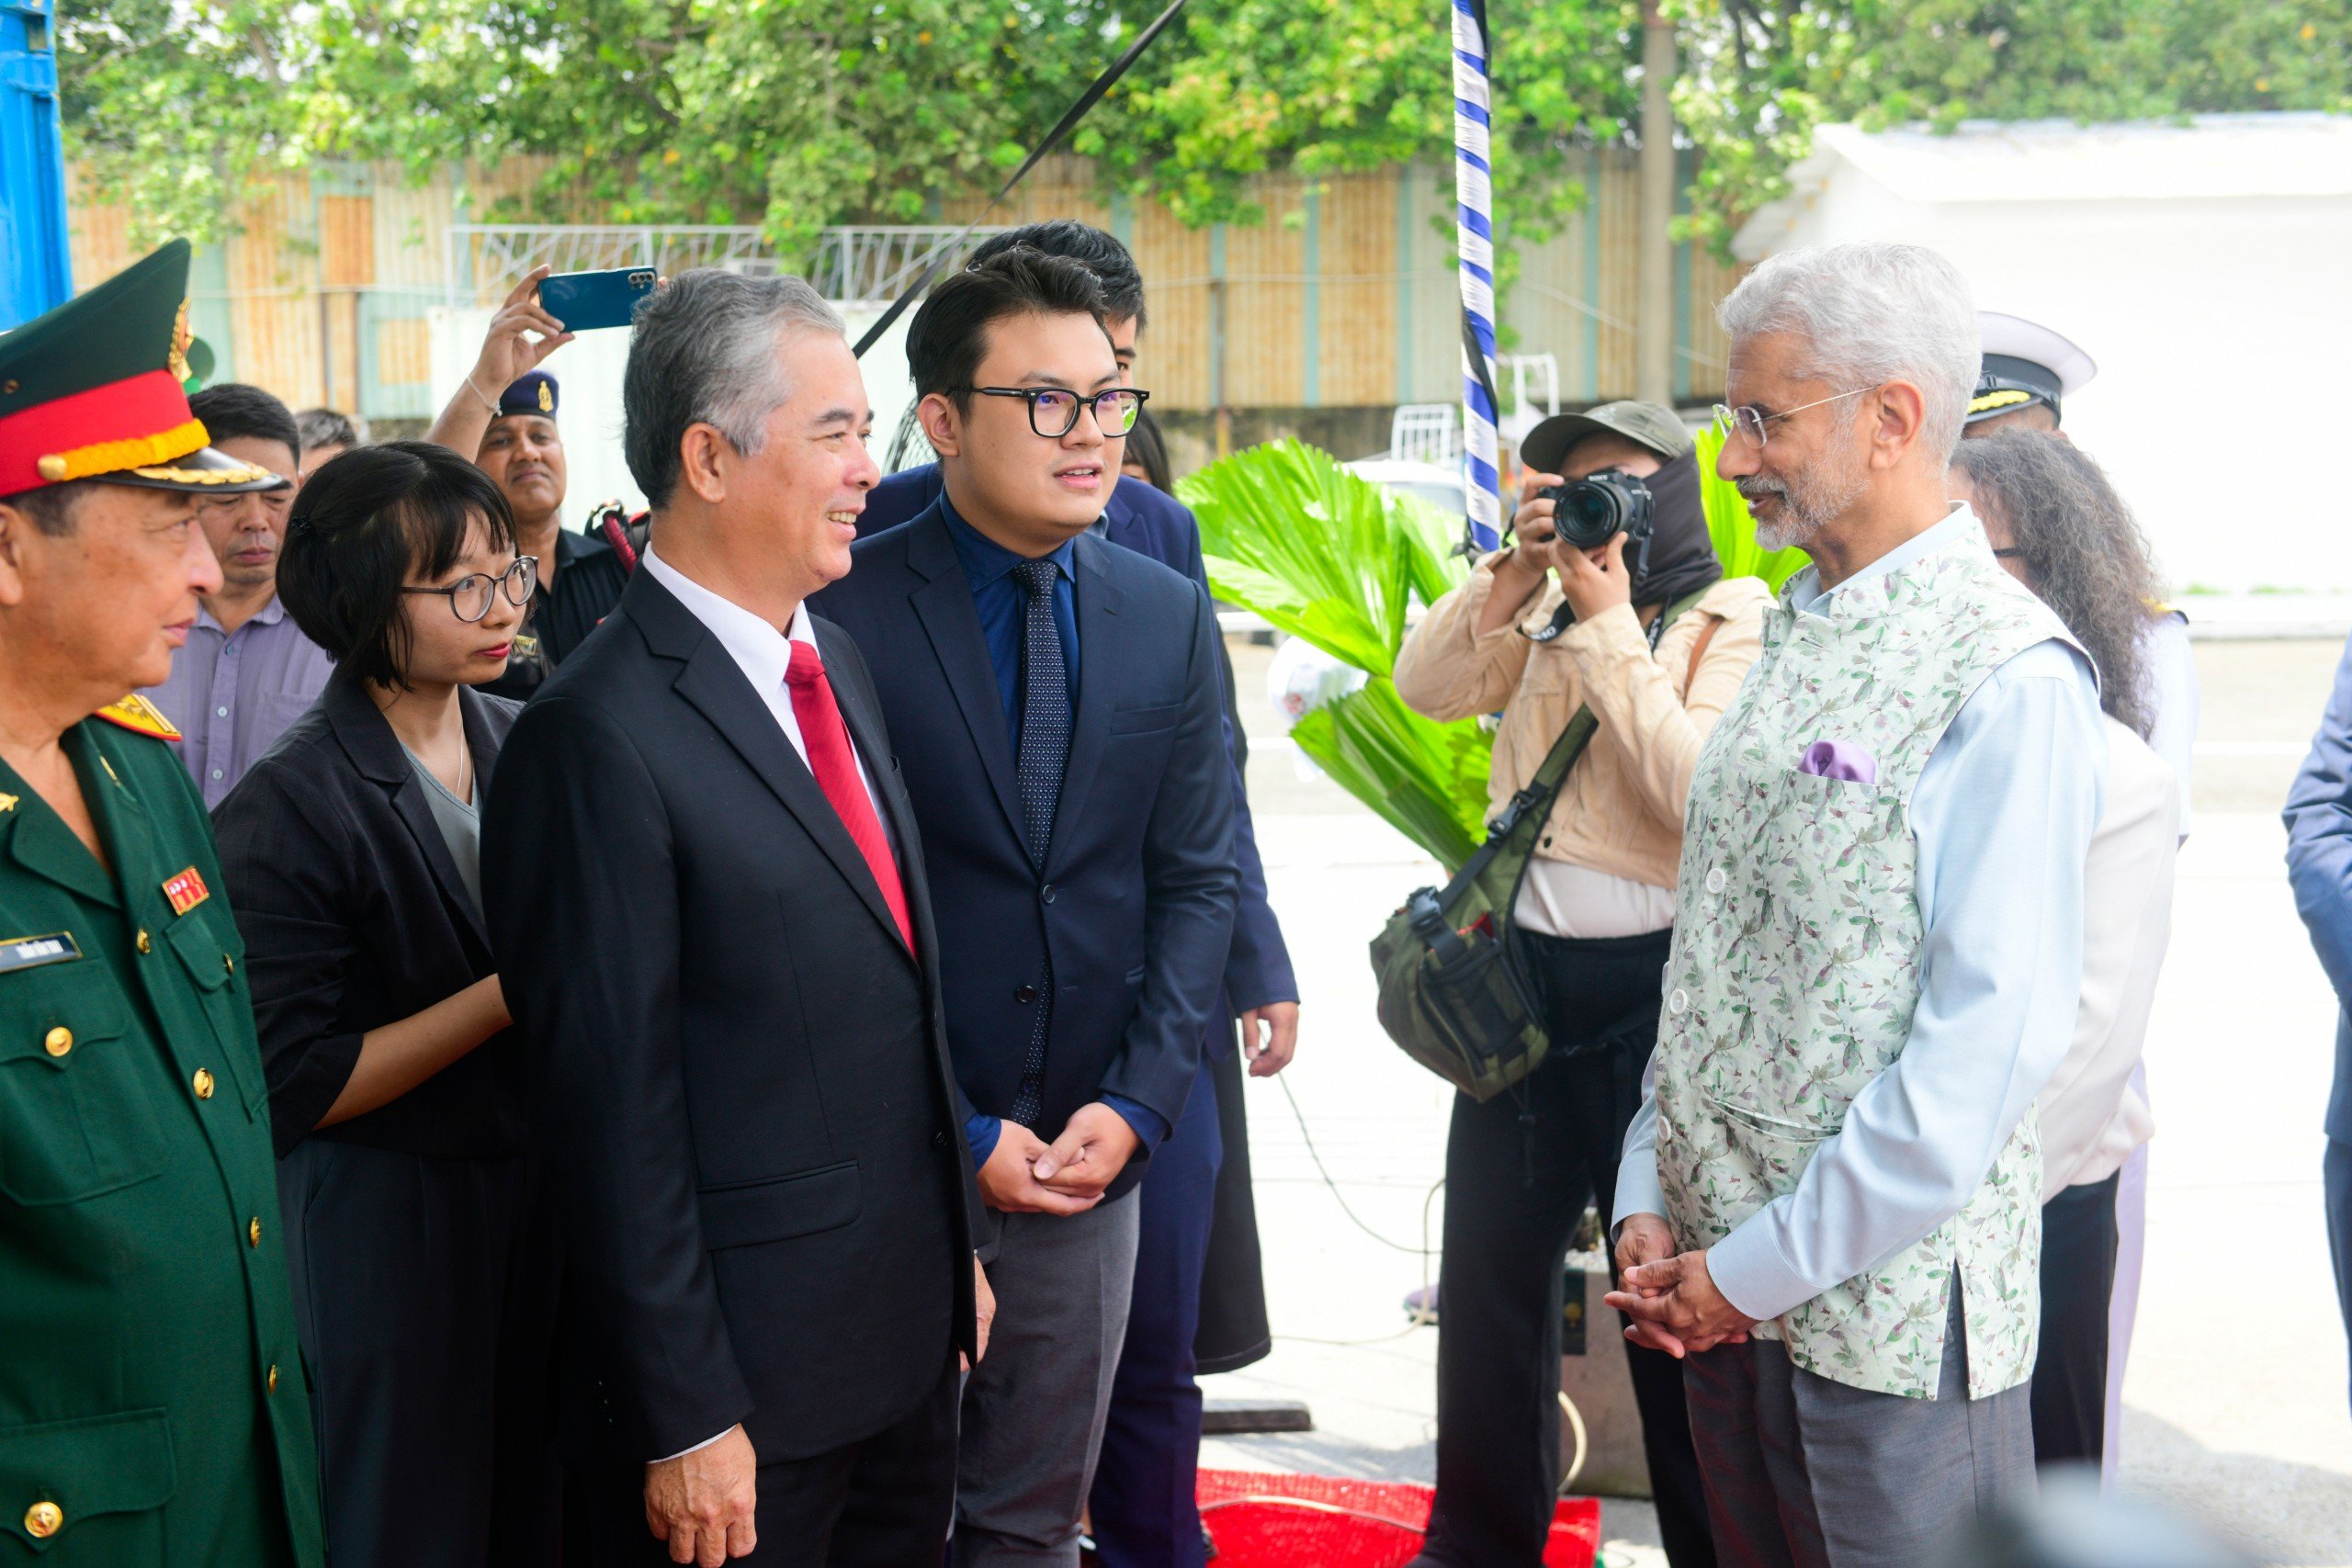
(1044, 749)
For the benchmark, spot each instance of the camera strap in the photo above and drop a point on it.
(1564, 615)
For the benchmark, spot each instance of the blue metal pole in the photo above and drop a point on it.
(35, 258)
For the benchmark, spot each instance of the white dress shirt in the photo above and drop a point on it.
(2002, 815)
(2092, 1114)
(763, 654)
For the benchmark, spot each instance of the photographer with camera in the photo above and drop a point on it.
(1611, 544)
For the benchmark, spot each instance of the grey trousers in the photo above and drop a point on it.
(1033, 1408)
(1803, 1472)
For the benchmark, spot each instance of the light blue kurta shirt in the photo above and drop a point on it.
(2002, 815)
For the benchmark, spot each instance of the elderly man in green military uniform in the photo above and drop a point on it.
(152, 1403)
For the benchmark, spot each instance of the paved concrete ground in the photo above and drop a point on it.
(2236, 1394)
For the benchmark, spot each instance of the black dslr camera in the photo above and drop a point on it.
(1587, 514)
(1590, 513)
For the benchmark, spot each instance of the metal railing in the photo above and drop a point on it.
(1426, 432)
(874, 264)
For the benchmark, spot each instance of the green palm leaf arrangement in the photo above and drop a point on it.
(1337, 561)
(1320, 552)
(1427, 780)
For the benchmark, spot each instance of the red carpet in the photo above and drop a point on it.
(1317, 1521)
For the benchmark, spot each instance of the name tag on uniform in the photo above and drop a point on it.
(32, 952)
(186, 891)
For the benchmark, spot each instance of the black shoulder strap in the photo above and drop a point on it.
(1537, 794)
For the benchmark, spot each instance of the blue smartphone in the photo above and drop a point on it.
(585, 301)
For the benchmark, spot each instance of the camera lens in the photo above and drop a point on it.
(1589, 514)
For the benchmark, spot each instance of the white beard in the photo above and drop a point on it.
(1812, 500)
(1788, 534)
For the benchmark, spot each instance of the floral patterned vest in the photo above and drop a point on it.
(1795, 966)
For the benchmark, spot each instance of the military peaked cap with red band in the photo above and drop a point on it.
(93, 390)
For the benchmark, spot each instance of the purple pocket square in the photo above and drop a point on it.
(1839, 760)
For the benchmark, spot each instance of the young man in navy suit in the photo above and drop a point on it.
(1056, 709)
(1198, 1226)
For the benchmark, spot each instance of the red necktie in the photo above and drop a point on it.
(835, 761)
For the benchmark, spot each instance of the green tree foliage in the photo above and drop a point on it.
(795, 114)
(172, 107)
(791, 114)
(1336, 86)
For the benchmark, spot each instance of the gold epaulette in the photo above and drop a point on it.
(139, 716)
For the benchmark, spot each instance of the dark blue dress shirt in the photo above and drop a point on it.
(1003, 610)
(1003, 606)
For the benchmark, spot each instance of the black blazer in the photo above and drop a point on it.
(354, 917)
(1136, 902)
(741, 1082)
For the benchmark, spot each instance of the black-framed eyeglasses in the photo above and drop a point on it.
(1053, 411)
(471, 596)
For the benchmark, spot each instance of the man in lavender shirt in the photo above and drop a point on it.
(247, 671)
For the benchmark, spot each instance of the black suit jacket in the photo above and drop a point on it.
(742, 1092)
(354, 917)
(1136, 902)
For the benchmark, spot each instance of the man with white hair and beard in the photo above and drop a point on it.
(1830, 1199)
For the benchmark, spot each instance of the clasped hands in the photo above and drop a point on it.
(1669, 1295)
(1026, 1174)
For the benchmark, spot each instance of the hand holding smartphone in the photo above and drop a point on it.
(585, 301)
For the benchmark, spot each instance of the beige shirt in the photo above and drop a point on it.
(1620, 811)
(2091, 1117)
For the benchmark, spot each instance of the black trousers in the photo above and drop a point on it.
(1233, 1331)
(2078, 1242)
(424, 1291)
(882, 1502)
(1519, 1171)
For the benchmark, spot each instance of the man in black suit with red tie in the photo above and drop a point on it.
(707, 898)
(1058, 704)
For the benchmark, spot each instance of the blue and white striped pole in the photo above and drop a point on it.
(1475, 244)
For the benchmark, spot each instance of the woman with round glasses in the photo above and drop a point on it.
(421, 1272)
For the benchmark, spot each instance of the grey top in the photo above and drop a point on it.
(460, 824)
